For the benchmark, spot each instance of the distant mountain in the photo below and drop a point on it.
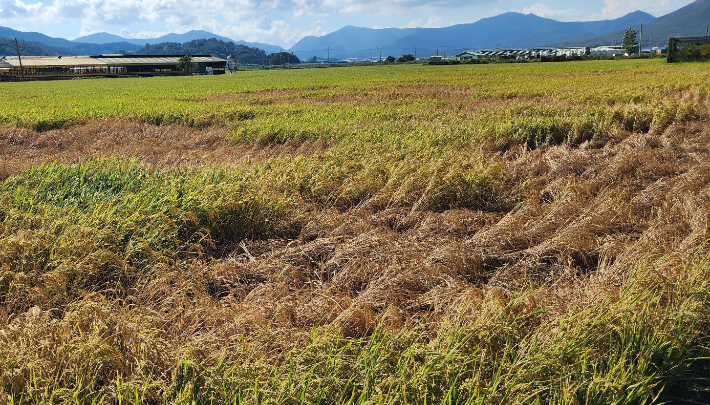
(103, 43)
(35, 37)
(62, 46)
(212, 46)
(187, 37)
(8, 48)
(194, 35)
(106, 38)
(97, 49)
(266, 47)
(102, 38)
(506, 31)
(689, 21)
(243, 54)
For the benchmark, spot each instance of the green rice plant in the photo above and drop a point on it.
(273, 107)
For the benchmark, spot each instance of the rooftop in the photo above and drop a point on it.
(100, 60)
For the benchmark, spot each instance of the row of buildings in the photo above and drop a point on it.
(61, 67)
(547, 52)
(53, 67)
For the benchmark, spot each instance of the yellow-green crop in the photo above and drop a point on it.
(473, 234)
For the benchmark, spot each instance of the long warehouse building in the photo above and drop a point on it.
(56, 67)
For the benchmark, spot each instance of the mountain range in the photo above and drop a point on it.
(689, 21)
(104, 43)
(508, 30)
(106, 38)
(62, 46)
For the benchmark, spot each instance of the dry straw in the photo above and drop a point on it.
(549, 250)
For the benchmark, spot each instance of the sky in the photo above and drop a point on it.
(284, 22)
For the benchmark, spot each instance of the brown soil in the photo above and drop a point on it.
(162, 146)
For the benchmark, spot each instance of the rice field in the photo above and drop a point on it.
(470, 234)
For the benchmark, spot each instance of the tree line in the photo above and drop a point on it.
(215, 47)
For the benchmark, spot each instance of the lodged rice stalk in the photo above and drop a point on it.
(429, 235)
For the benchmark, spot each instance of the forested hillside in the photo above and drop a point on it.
(211, 46)
(8, 48)
(222, 49)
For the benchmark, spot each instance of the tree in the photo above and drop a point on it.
(673, 51)
(185, 63)
(390, 59)
(406, 58)
(282, 58)
(629, 43)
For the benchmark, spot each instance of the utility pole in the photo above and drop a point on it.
(329, 55)
(380, 54)
(415, 53)
(444, 50)
(706, 31)
(640, 40)
(22, 71)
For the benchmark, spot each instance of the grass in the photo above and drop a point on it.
(409, 234)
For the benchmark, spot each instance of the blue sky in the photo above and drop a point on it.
(284, 22)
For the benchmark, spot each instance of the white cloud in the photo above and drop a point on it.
(437, 22)
(141, 34)
(11, 10)
(262, 20)
(69, 9)
(84, 31)
(432, 22)
(615, 9)
(416, 23)
(542, 10)
(278, 32)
